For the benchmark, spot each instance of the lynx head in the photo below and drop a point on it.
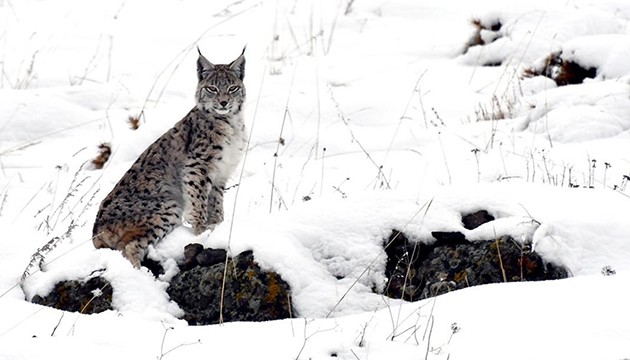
(220, 88)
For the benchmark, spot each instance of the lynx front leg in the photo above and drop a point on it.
(135, 251)
(195, 189)
(215, 206)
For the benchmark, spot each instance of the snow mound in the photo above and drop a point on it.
(577, 113)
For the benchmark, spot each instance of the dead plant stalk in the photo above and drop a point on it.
(280, 141)
(356, 140)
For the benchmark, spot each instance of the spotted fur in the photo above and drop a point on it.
(183, 173)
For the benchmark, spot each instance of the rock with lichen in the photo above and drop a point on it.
(418, 271)
(248, 293)
(90, 296)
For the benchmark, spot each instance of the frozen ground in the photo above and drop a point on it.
(365, 116)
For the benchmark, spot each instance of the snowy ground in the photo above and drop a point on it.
(365, 116)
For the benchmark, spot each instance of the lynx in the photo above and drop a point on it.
(183, 174)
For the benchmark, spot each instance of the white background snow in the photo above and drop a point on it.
(386, 122)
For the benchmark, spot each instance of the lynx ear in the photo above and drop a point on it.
(203, 66)
(238, 65)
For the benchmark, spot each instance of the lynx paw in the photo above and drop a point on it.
(215, 217)
(198, 230)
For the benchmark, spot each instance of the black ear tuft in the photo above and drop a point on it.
(203, 66)
(238, 65)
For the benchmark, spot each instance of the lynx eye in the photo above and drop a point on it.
(234, 88)
(212, 89)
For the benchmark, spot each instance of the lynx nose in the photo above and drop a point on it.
(223, 103)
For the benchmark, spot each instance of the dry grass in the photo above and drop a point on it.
(134, 122)
(104, 152)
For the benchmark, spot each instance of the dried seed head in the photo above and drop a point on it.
(134, 122)
(104, 151)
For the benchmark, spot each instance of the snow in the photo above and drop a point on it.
(592, 110)
(387, 124)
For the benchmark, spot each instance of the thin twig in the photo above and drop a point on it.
(22, 321)
(500, 259)
(280, 141)
(431, 321)
(404, 114)
(58, 323)
(354, 138)
(162, 353)
(306, 338)
(448, 171)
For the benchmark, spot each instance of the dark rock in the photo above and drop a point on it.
(196, 255)
(209, 257)
(476, 219)
(190, 254)
(249, 294)
(87, 297)
(154, 266)
(418, 271)
(562, 71)
(573, 73)
(452, 236)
